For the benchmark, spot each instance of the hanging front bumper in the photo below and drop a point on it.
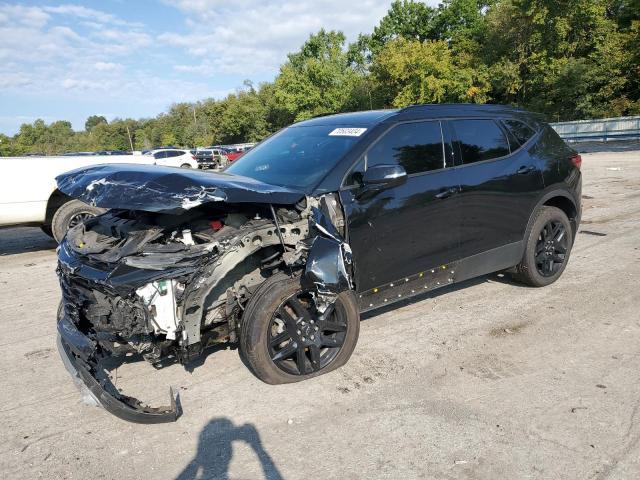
(81, 358)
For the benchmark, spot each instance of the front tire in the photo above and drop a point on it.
(548, 245)
(285, 339)
(69, 215)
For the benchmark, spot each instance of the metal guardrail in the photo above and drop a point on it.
(601, 130)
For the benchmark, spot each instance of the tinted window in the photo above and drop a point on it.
(416, 146)
(355, 175)
(298, 156)
(161, 154)
(519, 130)
(480, 140)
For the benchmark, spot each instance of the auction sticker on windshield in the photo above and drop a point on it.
(347, 132)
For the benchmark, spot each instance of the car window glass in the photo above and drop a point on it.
(355, 175)
(296, 157)
(162, 154)
(417, 146)
(519, 130)
(514, 144)
(480, 140)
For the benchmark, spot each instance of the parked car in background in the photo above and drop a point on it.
(114, 152)
(29, 196)
(233, 154)
(323, 220)
(174, 157)
(211, 158)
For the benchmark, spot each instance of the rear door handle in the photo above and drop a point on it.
(524, 169)
(446, 193)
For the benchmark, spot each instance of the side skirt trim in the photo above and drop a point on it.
(483, 263)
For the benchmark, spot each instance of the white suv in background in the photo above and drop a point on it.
(174, 157)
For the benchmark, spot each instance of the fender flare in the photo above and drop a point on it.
(552, 192)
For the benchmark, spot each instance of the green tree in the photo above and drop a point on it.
(411, 71)
(317, 79)
(92, 121)
(566, 59)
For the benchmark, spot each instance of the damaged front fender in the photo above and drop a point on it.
(326, 270)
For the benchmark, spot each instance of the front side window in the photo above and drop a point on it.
(161, 154)
(417, 146)
(479, 140)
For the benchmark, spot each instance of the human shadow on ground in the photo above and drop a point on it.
(215, 451)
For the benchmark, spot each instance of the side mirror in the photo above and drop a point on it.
(383, 176)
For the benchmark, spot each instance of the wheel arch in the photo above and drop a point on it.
(566, 204)
(55, 201)
(559, 198)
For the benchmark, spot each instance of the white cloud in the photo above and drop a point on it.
(21, 15)
(106, 66)
(90, 14)
(14, 80)
(252, 36)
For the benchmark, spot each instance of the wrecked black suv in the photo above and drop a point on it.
(323, 220)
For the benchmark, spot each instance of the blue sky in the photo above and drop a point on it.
(68, 60)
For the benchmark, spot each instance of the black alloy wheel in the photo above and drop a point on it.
(551, 248)
(303, 340)
(285, 338)
(547, 246)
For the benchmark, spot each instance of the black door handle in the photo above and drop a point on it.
(524, 169)
(446, 193)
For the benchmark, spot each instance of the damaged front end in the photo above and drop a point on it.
(168, 271)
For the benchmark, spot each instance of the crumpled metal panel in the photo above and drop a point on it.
(326, 267)
(154, 188)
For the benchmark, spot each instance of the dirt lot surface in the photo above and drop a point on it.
(485, 380)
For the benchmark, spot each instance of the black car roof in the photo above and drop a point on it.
(359, 119)
(370, 118)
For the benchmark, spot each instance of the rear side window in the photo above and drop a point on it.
(416, 146)
(480, 140)
(520, 131)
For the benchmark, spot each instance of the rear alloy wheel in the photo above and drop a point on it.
(284, 338)
(69, 215)
(548, 245)
(551, 248)
(185, 165)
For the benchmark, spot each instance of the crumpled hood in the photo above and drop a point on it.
(154, 188)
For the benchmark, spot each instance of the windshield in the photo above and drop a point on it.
(297, 157)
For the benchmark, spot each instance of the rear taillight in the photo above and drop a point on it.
(577, 161)
(193, 156)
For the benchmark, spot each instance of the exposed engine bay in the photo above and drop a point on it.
(166, 283)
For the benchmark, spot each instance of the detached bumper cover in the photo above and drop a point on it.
(81, 358)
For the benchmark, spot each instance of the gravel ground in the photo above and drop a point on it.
(487, 379)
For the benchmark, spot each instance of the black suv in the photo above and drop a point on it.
(323, 220)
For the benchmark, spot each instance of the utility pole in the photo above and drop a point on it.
(129, 133)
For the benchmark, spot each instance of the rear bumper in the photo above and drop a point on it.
(80, 357)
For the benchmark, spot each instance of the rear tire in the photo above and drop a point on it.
(336, 333)
(185, 165)
(69, 215)
(549, 240)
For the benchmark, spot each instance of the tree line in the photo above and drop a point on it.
(570, 59)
